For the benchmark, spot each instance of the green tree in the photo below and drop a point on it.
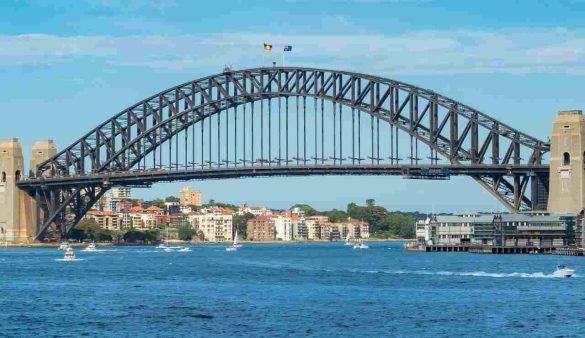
(201, 235)
(336, 216)
(240, 222)
(186, 233)
(157, 203)
(370, 202)
(307, 209)
(172, 199)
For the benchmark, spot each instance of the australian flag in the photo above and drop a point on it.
(288, 48)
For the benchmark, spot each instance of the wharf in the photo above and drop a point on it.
(570, 251)
(484, 249)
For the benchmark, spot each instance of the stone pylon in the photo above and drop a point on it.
(567, 160)
(41, 151)
(11, 170)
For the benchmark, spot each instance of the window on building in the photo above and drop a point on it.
(17, 175)
(566, 158)
(3, 179)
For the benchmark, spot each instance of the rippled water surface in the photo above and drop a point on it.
(287, 290)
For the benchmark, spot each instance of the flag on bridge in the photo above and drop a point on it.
(267, 47)
(288, 48)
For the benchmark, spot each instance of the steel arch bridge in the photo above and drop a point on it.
(285, 121)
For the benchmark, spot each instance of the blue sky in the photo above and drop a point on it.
(65, 66)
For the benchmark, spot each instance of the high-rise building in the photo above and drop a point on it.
(122, 193)
(283, 228)
(190, 196)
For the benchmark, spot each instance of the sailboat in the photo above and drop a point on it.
(235, 246)
(348, 240)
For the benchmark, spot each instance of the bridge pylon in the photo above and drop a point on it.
(11, 169)
(18, 210)
(567, 163)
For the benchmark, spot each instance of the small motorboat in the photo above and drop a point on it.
(69, 255)
(360, 245)
(168, 249)
(64, 246)
(90, 248)
(563, 271)
(184, 249)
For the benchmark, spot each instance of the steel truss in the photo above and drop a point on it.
(460, 134)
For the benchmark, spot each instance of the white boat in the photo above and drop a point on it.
(69, 255)
(235, 246)
(161, 246)
(184, 249)
(90, 248)
(563, 271)
(64, 246)
(167, 249)
(360, 245)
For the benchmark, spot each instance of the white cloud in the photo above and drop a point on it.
(422, 52)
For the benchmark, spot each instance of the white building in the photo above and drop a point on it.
(216, 226)
(122, 193)
(283, 228)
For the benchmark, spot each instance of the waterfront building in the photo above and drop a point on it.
(105, 219)
(543, 230)
(354, 228)
(300, 231)
(329, 231)
(283, 228)
(460, 228)
(261, 228)
(216, 226)
(313, 229)
(531, 229)
(190, 196)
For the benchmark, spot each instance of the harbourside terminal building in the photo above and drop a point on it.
(534, 230)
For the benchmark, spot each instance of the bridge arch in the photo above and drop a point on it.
(460, 134)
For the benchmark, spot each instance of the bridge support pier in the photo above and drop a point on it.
(567, 159)
(11, 168)
(18, 210)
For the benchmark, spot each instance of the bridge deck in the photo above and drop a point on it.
(147, 177)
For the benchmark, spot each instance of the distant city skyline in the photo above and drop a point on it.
(70, 66)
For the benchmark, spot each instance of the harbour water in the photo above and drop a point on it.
(319, 289)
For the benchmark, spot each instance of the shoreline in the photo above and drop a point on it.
(78, 245)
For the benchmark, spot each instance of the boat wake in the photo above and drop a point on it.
(474, 274)
(69, 260)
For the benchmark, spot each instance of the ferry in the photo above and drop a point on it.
(69, 255)
(563, 271)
